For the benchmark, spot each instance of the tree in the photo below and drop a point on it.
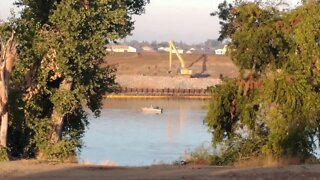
(211, 43)
(154, 44)
(226, 14)
(59, 72)
(272, 108)
(7, 59)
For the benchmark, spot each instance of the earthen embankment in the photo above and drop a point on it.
(149, 72)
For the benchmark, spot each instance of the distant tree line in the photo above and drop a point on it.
(208, 44)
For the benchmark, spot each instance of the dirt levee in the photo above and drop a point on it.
(150, 70)
(162, 82)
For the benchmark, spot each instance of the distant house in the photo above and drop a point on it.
(191, 51)
(161, 49)
(180, 51)
(167, 49)
(147, 49)
(121, 48)
(221, 51)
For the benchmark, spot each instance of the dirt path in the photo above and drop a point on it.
(42, 170)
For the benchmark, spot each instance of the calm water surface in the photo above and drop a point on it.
(125, 135)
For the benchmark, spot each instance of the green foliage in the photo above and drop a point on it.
(237, 149)
(221, 100)
(234, 127)
(41, 146)
(3, 154)
(255, 35)
(274, 111)
(201, 155)
(291, 114)
(60, 71)
(225, 13)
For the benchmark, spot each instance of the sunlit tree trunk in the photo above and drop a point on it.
(85, 4)
(58, 118)
(8, 56)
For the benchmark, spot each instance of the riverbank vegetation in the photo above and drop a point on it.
(59, 51)
(272, 109)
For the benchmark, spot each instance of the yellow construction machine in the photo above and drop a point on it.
(182, 70)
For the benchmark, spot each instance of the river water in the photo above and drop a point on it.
(126, 136)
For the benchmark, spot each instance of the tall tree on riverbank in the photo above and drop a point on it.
(272, 109)
(7, 58)
(61, 70)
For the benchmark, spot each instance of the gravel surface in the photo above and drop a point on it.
(161, 82)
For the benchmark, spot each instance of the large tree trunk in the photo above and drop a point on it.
(58, 118)
(8, 56)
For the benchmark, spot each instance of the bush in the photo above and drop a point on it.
(62, 151)
(4, 156)
(272, 111)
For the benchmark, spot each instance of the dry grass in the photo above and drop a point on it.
(109, 164)
(266, 162)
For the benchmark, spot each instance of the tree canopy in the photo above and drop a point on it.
(272, 109)
(61, 71)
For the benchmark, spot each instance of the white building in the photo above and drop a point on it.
(167, 49)
(161, 49)
(147, 49)
(191, 51)
(121, 48)
(221, 51)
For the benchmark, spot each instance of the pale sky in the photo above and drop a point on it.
(179, 20)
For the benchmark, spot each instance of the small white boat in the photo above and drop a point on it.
(152, 110)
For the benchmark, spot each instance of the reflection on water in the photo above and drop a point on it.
(125, 135)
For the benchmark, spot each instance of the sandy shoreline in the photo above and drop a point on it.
(31, 169)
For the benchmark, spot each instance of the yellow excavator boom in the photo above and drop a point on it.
(183, 69)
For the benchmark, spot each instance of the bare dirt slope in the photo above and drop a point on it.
(157, 64)
(150, 70)
(41, 170)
